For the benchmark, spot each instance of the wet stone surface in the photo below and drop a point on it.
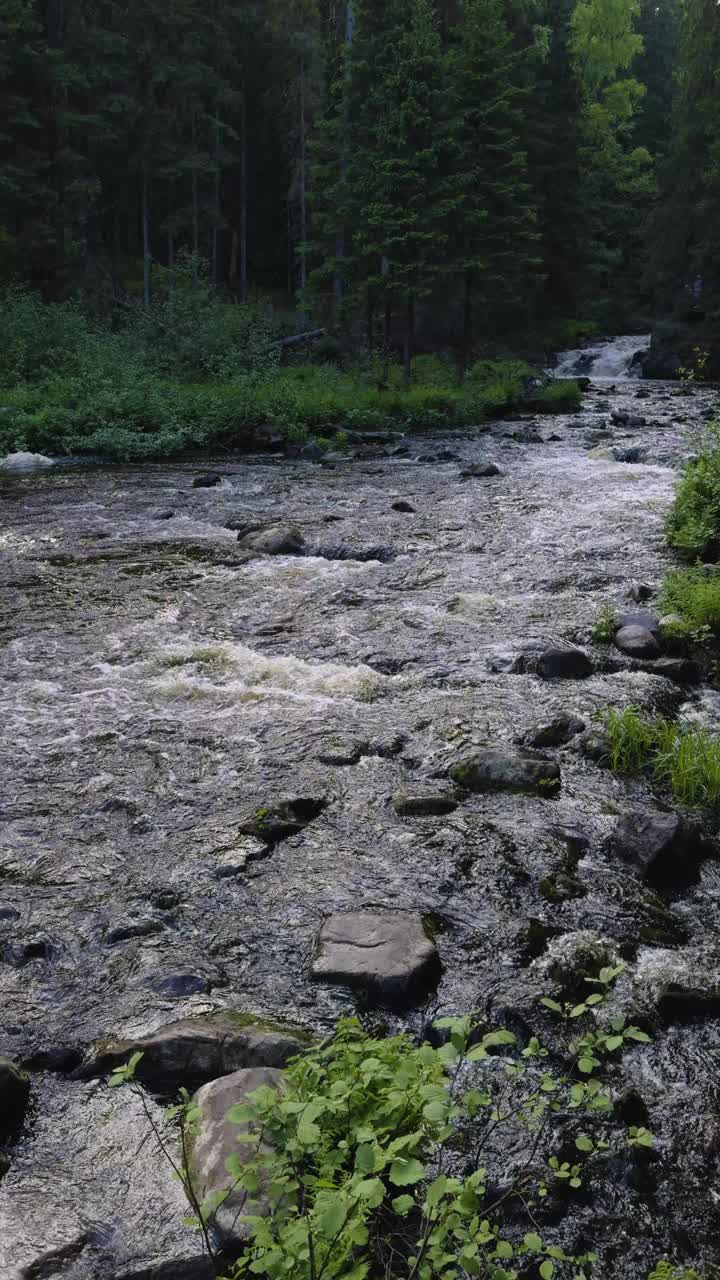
(161, 685)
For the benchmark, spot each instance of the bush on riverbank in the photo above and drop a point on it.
(196, 373)
(672, 755)
(694, 594)
(692, 526)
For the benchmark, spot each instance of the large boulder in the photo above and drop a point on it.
(506, 770)
(564, 662)
(23, 461)
(662, 846)
(215, 1140)
(637, 642)
(278, 540)
(389, 955)
(192, 1051)
(14, 1094)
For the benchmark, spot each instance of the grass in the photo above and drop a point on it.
(694, 594)
(685, 760)
(605, 625)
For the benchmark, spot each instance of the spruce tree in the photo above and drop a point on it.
(492, 219)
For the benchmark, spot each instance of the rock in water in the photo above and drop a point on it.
(216, 1139)
(207, 481)
(660, 845)
(25, 462)
(14, 1094)
(637, 642)
(497, 770)
(564, 662)
(556, 732)
(422, 804)
(281, 818)
(388, 955)
(278, 540)
(639, 618)
(479, 470)
(402, 505)
(196, 1050)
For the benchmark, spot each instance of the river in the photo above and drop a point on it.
(157, 684)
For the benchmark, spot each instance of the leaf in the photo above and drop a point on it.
(634, 1033)
(404, 1173)
(372, 1191)
(613, 1042)
(476, 1054)
(586, 1065)
(578, 1011)
(533, 1242)
(547, 1269)
(504, 1249)
(551, 1004)
(402, 1205)
(595, 998)
(436, 1191)
(583, 1143)
(494, 1038)
(436, 1110)
(333, 1218)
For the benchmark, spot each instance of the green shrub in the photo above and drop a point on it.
(692, 526)
(605, 625)
(685, 760)
(39, 340)
(561, 395)
(694, 594)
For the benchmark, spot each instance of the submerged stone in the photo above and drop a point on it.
(422, 804)
(498, 770)
(404, 506)
(388, 955)
(564, 662)
(281, 818)
(480, 470)
(207, 481)
(278, 540)
(556, 732)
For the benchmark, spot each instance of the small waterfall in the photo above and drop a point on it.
(610, 359)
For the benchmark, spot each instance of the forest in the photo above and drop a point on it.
(489, 178)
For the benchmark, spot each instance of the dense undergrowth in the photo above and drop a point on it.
(380, 1157)
(196, 372)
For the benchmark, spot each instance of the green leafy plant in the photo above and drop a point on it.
(605, 625)
(694, 594)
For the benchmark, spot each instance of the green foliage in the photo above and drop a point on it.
(693, 523)
(562, 395)
(605, 625)
(694, 594)
(666, 1271)
(683, 759)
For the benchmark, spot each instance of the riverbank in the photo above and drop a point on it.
(162, 682)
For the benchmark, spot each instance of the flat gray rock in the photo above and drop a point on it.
(215, 1141)
(388, 955)
(498, 770)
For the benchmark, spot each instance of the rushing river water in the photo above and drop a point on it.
(157, 684)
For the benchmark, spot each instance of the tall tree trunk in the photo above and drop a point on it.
(243, 198)
(146, 235)
(58, 140)
(408, 340)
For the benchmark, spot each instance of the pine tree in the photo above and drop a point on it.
(493, 222)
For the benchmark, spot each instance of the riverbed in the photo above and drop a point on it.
(158, 683)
